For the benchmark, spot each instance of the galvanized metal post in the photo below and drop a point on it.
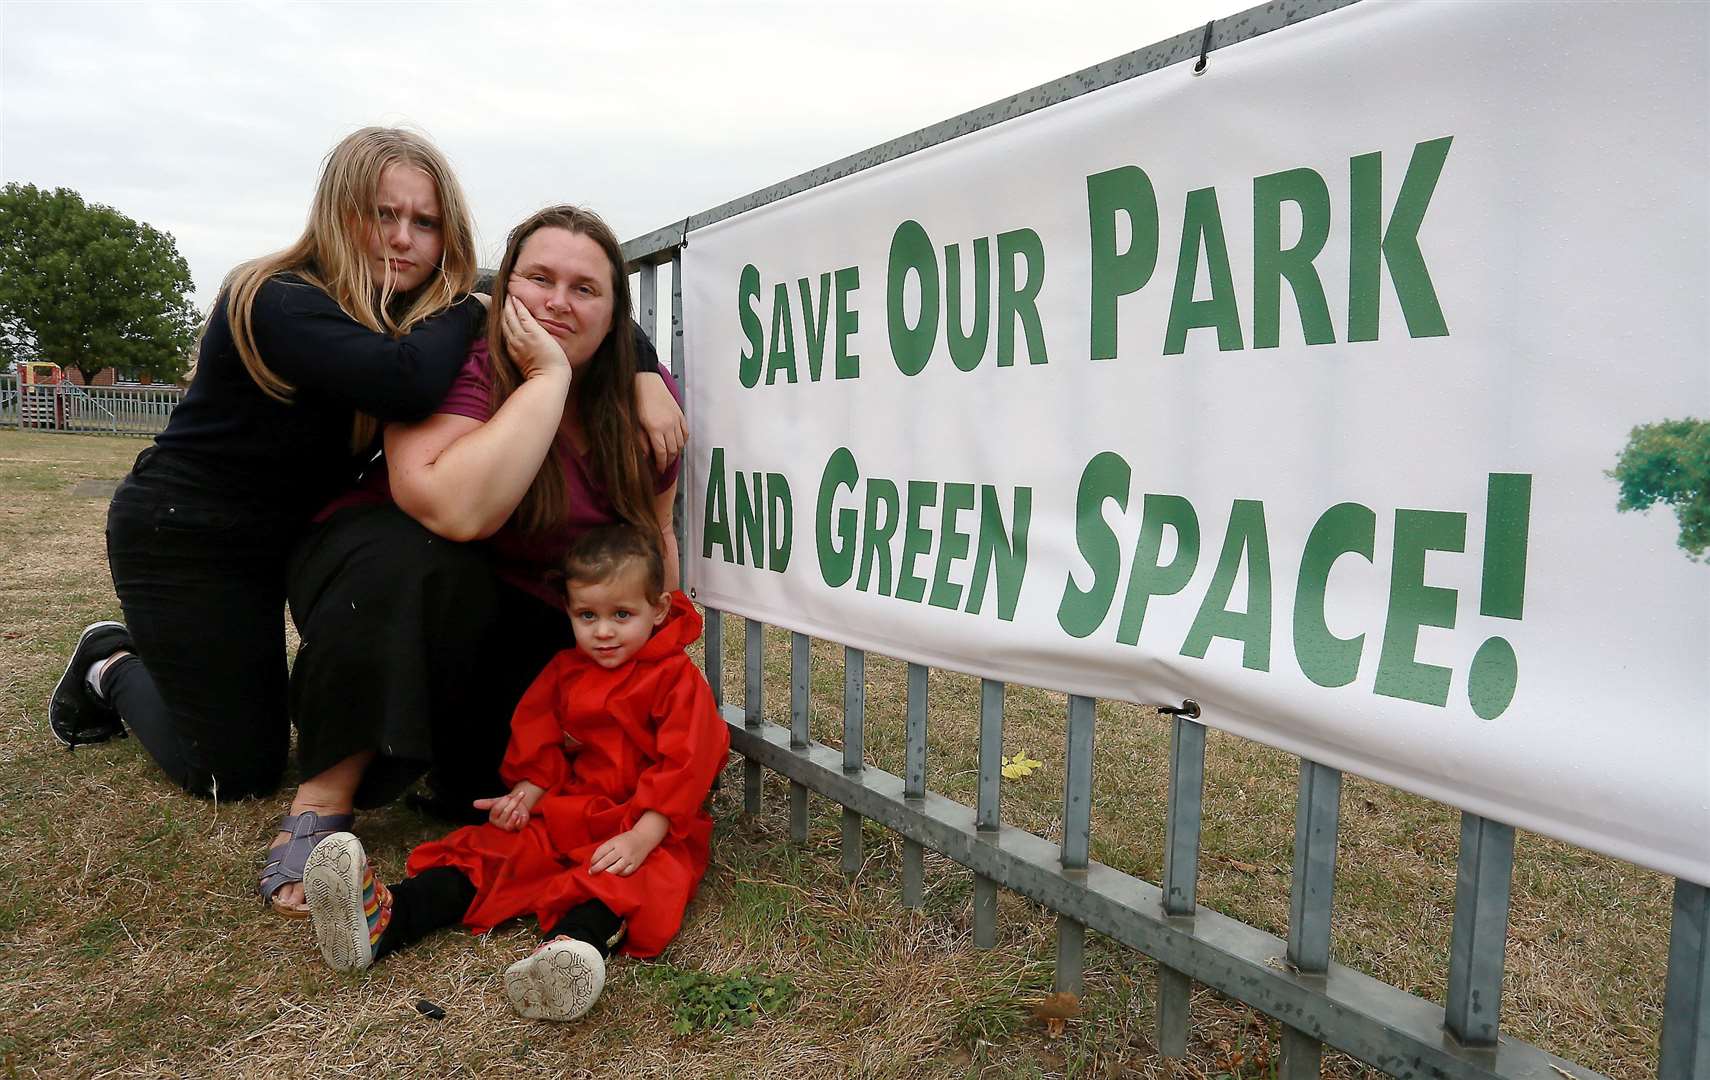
(854, 756)
(753, 652)
(1311, 894)
(1181, 868)
(677, 313)
(1482, 879)
(986, 807)
(714, 665)
(647, 300)
(1077, 835)
(799, 659)
(914, 786)
(1686, 1002)
(679, 511)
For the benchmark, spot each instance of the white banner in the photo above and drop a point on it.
(1307, 388)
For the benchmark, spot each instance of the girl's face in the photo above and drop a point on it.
(565, 281)
(406, 238)
(613, 619)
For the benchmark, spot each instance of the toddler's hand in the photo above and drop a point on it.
(510, 812)
(624, 853)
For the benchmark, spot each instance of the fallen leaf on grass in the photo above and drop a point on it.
(1019, 765)
(1055, 1009)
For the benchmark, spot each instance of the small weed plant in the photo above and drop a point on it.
(701, 1001)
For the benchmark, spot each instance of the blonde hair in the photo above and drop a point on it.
(332, 252)
(603, 392)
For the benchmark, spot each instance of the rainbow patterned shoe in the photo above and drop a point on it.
(561, 980)
(349, 907)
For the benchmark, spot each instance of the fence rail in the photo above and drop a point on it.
(1319, 1002)
(94, 410)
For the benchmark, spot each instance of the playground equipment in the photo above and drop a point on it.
(40, 398)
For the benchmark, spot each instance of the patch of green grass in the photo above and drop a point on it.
(992, 1018)
(96, 938)
(700, 1001)
(20, 899)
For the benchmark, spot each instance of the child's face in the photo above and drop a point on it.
(613, 619)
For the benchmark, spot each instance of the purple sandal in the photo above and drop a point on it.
(285, 861)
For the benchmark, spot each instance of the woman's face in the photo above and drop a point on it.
(405, 239)
(565, 281)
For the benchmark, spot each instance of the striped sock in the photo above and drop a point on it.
(376, 904)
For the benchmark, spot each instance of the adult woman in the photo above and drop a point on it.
(366, 315)
(411, 647)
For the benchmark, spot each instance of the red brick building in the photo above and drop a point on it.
(107, 376)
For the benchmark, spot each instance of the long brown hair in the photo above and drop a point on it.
(602, 391)
(331, 254)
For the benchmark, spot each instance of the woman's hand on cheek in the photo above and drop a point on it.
(536, 352)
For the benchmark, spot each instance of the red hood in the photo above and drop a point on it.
(681, 627)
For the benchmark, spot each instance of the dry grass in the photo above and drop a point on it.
(134, 946)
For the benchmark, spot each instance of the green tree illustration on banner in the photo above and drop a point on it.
(1669, 462)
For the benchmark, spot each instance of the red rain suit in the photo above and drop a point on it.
(606, 746)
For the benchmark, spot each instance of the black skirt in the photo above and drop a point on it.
(411, 648)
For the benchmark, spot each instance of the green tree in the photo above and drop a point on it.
(1669, 462)
(84, 286)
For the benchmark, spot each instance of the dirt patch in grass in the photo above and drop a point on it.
(134, 945)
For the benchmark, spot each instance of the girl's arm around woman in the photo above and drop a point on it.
(312, 344)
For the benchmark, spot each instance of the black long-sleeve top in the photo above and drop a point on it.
(296, 455)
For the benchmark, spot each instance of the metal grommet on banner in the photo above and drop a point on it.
(1188, 709)
(691, 594)
(1204, 50)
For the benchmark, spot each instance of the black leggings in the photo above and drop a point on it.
(201, 578)
(438, 897)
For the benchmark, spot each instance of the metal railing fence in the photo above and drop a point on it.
(1319, 1002)
(94, 410)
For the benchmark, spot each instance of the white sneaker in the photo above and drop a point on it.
(561, 980)
(340, 888)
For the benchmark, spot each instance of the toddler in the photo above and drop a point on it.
(604, 834)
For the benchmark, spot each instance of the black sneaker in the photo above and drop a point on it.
(75, 714)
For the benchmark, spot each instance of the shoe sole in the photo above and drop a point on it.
(560, 981)
(332, 885)
(60, 689)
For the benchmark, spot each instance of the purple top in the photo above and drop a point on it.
(525, 559)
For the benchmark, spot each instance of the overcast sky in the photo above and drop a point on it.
(209, 120)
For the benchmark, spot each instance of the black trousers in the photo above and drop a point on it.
(412, 648)
(201, 578)
(439, 897)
